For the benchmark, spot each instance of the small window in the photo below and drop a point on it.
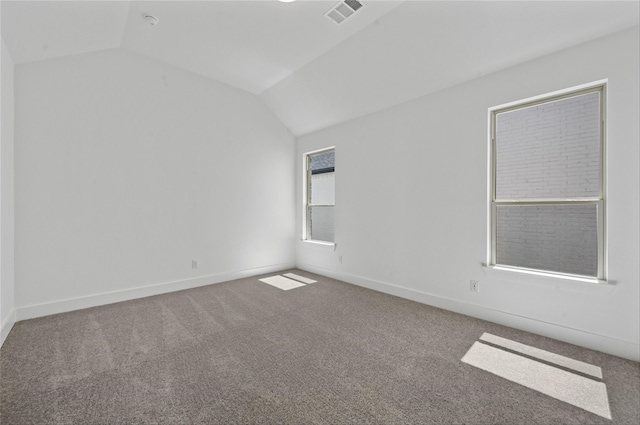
(320, 195)
(547, 185)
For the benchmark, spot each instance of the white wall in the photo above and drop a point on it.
(127, 169)
(430, 216)
(7, 312)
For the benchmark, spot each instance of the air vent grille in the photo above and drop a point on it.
(353, 4)
(343, 10)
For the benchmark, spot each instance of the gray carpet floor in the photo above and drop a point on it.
(244, 352)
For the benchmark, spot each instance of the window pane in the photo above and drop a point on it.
(551, 150)
(321, 223)
(323, 188)
(323, 162)
(559, 238)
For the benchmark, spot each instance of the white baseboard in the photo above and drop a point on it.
(63, 306)
(7, 325)
(617, 347)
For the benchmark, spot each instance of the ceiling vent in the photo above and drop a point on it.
(343, 10)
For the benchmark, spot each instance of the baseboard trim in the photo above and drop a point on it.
(63, 306)
(7, 325)
(617, 347)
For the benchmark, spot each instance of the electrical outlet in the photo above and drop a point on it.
(340, 259)
(475, 286)
(195, 264)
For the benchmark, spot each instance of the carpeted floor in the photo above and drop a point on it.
(244, 352)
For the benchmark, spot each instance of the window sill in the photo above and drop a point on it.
(319, 243)
(560, 276)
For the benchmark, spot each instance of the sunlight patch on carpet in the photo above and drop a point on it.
(299, 278)
(282, 282)
(547, 356)
(585, 393)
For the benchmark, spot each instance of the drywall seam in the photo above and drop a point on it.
(63, 306)
(606, 344)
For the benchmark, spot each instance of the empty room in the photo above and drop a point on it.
(320, 212)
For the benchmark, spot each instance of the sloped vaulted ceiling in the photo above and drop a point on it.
(311, 72)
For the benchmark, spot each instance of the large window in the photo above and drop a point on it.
(547, 184)
(320, 195)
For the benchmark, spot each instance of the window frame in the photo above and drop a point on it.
(599, 201)
(308, 205)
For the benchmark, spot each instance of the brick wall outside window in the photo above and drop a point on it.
(549, 151)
